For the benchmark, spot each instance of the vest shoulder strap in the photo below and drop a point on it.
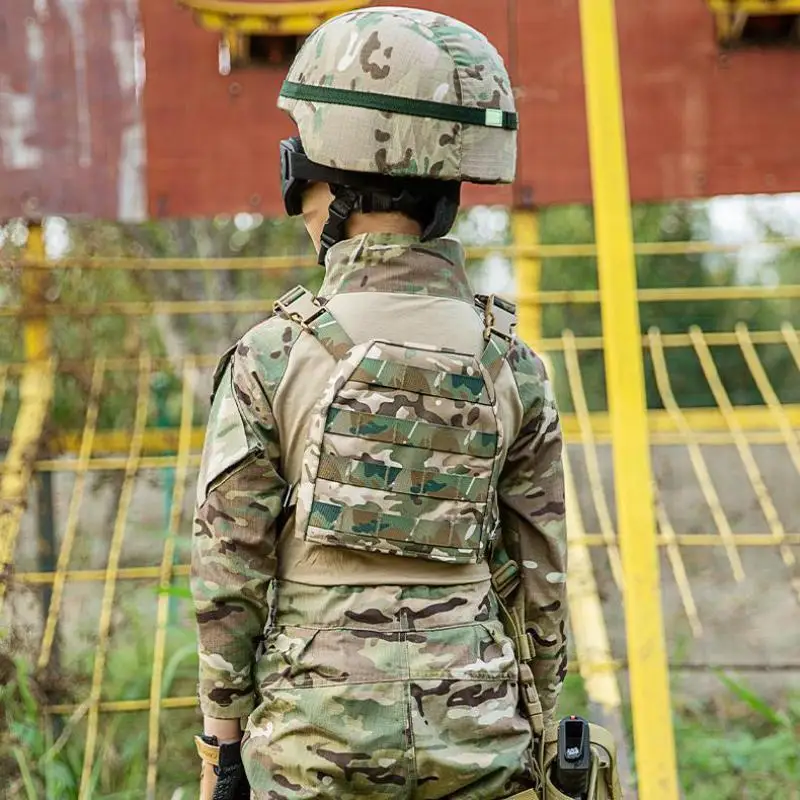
(304, 308)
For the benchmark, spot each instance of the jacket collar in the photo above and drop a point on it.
(397, 263)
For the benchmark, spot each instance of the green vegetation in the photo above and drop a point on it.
(41, 756)
(676, 222)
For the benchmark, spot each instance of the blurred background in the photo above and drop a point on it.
(142, 232)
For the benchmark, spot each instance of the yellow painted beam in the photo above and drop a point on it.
(267, 19)
(661, 425)
(304, 260)
(766, 8)
(649, 675)
(36, 392)
(528, 275)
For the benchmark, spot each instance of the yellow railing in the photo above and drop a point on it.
(133, 452)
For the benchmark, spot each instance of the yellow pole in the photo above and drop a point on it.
(36, 332)
(528, 275)
(647, 656)
(35, 390)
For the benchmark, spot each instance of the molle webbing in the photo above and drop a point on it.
(404, 449)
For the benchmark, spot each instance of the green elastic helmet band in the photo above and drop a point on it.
(485, 117)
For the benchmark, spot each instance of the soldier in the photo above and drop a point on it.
(383, 461)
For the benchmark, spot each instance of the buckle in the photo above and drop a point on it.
(505, 579)
(299, 305)
(499, 316)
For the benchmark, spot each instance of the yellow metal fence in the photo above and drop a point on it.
(85, 588)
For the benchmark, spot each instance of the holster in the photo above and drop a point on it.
(604, 781)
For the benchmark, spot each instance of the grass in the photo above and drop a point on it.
(41, 757)
(749, 750)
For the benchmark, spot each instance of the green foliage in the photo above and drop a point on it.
(746, 751)
(753, 755)
(676, 222)
(41, 757)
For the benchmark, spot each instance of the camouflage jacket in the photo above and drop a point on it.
(377, 286)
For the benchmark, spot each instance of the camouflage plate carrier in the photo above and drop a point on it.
(405, 444)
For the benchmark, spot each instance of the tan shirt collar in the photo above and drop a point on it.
(398, 263)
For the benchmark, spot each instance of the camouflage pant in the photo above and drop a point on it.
(387, 692)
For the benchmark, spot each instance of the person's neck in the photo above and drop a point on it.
(391, 222)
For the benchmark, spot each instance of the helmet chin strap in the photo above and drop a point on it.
(346, 200)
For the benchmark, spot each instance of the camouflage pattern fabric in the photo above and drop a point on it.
(387, 692)
(253, 452)
(407, 53)
(403, 450)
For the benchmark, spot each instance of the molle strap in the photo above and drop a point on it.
(494, 355)
(301, 306)
(499, 321)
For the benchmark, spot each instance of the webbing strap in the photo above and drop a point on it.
(301, 306)
(505, 582)
(207, 752)
(499, 320)
(528, 794)
(413, 107)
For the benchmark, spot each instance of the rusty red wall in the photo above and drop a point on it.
(213, 140)
(71, 132)
(699, 123)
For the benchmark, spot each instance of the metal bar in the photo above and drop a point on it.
(71, 526)
(165, 577)
(555, 344)
(649, 678)
(526, 300)
(590, 453)
(4, 373)
(46, 536)
(754, 364)
(293, 262)
(593, 539)
(528, 274)
(75, 575)
(117, 537)
(112, 463)
(36, 392)
(755, 7)
(699, 465)
(678, 566)
(746, 454)
(789, 335)
(664, 424)
(676, 294)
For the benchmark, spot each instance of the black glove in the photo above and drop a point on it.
(232, 781)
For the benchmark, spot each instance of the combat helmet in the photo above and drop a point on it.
(395, 107)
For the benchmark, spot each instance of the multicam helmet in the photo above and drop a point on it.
(403, 92)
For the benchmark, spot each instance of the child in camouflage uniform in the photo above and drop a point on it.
(373, 451)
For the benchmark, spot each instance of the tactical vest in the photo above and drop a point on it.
(405, 445)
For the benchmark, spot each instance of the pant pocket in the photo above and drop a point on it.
(330, 743)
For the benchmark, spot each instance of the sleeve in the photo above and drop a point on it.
(239, 498)
(532, 515)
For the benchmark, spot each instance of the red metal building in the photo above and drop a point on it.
(701, 120)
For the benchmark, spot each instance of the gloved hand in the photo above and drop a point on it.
(223, 776)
